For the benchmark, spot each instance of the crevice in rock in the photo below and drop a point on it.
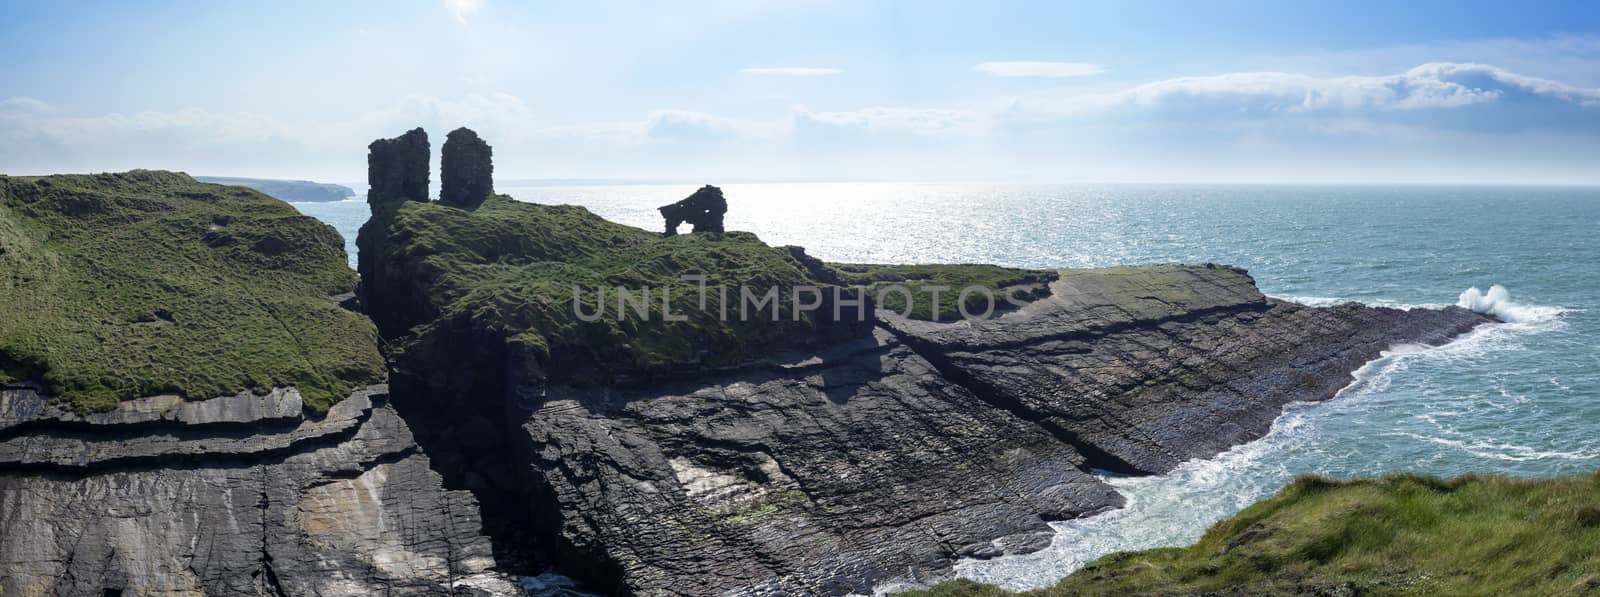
(471, 440)
(269, 575)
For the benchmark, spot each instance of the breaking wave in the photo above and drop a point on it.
(1497, 303)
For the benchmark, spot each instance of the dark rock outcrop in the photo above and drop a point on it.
(397, 168)
(703, 210)
(888, 459)
(397, 171)
(466, 171)
(1143, 368)
(828, 474)
(238, 495)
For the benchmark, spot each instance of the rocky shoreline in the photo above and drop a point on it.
(825, 455)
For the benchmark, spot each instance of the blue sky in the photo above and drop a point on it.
(1461, 91)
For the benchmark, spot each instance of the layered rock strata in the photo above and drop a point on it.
(233, 496)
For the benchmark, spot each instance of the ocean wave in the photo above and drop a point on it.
(1498, 304)
(1483, 448)
(1328, 301)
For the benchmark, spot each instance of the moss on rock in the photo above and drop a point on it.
(117, 286)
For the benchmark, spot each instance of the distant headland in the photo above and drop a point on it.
(287, 190)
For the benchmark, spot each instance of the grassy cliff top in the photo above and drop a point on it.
(117, 286)
(1401, 535)
(511, 269)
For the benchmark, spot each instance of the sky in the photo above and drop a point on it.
(718, 91)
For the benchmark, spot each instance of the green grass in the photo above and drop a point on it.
(117, 286)
(928, 301)
(1400, 535)
(509, 270)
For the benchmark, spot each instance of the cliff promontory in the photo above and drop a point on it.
(186, 408)
(608, 392)
(287, 190)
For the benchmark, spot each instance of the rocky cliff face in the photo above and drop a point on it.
(127, 298)
(889, 459)
(1143, 368)
(232, 496)
(829, 467)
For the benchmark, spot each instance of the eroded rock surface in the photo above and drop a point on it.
(703, 210)
(1143, 368)
(827, 475)
(228, 497)
(397, 168)
(887, 461)
(466, 170)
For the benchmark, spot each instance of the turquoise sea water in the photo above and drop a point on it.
(1518, 399)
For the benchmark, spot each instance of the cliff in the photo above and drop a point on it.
(815, 454)
(287, 190)
(1400, 535)
(186, 409)
(118, 286)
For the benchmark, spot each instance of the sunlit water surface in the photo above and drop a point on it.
(1517, 399)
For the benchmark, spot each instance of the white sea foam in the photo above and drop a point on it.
(1483, 448)
(1328, 301)
(1498, 304)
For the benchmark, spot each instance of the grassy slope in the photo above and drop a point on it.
(116, 286)
(922, 279)
(510, 269)
(1401, 535)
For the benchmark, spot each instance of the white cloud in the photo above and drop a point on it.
(1574, 58)
(1039, 69)
(463, 9)
(19, 105)
(927, 121)
(1434, 85)
(791, 71)
(1187, 115)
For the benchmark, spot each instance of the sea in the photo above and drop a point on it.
(1519, 399)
